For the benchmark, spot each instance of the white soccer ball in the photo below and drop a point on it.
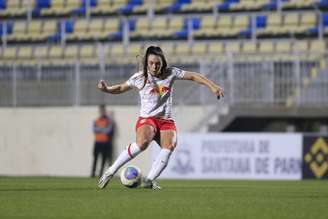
(131, 176)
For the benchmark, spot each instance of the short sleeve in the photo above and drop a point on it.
(136, 80)
(177, 72)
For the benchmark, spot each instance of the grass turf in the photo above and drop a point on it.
(47, 197)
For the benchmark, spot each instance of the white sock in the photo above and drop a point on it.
(129, 153)
(159, 164)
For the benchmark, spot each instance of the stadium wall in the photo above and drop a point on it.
(59, 141)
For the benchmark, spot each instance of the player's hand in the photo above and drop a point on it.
(217, 91)
(102, 85)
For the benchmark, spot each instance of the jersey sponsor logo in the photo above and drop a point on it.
(159, 90)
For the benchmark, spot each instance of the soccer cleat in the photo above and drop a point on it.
(104, 179)
(148, 184)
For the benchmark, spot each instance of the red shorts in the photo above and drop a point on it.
(157, 123)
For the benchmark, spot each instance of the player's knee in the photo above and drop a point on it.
(170, 147)
(143, 143)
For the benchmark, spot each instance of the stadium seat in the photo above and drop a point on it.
(248, 5)
(40, 53)
(200, 6)
(207, 28)
(142, 27)
(19, 31)
(108, 7)
(25, 53)
(273, 25)
(161, 5)
(266, 47)
(79, 29)
(232, 47)
(249, 47)
(308, 24)
(9, 53)
(199, 49)
(55, 52)
(16, 8)
(298, 4)
(61, 7)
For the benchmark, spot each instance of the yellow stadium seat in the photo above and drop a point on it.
(168, 48)
(232, 47)
(15, 8)
(207, 26)
(25, 52)
(300, 46)
(200, 5)
(9, 53)
(71, 52)
(49, 27)
(307, 21)
(55, 8)
(296, 4)
(143, 8)
(117, 50)
(199, 49)
(183, 49)
(162, 4)
(41, 52)
(55, 52)
(34, 30)
(19, 31)
(142, 27)
(159, 26)
(215, 47)
(249, 47)
(106, 7)
(266, 47)
(290, 24)
(224, 27)
(274, 23)
(87, 51)
(79, 30)
(283, 46)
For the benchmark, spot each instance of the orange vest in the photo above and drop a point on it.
(102, 123)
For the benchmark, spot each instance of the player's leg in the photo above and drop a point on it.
(168, 141)
(103, 157)
(145, 134)
(95, 159)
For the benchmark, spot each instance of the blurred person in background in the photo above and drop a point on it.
(103, 129)
(155, 85)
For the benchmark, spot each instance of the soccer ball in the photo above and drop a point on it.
(131, 176)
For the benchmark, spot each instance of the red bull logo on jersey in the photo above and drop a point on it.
(160, 90)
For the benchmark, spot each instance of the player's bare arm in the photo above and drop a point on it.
(201, 79)
(114, 89)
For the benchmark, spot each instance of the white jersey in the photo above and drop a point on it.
(156, 95)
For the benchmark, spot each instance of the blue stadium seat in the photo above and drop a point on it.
(183, 33)
(2, 4)
(6, 27)
(272, 5)
(260, 21)
(130, 6)
(225, 6)
(176, 6)
(40, 4)
(83, 7)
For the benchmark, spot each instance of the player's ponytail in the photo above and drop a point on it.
(153, 50)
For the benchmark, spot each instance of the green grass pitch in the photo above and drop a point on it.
(48, 197)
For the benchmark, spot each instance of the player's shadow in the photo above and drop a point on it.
(47, 189)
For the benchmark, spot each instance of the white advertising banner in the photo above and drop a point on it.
(235, 156)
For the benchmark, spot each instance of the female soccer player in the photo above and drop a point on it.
(155, 86)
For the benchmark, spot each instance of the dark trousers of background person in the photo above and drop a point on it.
(103, 150)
